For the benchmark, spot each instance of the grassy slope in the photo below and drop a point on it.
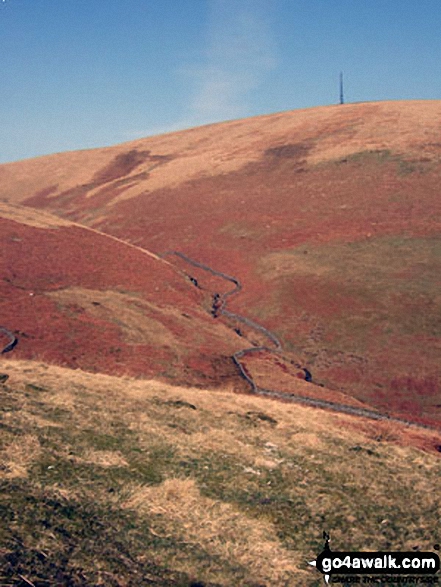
(367, 311)
(81, 299)
(357, 183)
(123, 482)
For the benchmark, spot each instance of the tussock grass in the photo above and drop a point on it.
(220, 529)
(20, 453)
(118, 481)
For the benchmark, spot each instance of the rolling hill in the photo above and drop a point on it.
(329, 217)
(299, 253)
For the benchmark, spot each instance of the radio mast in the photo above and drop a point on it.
(342, 97)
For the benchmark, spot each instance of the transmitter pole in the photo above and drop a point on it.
(342, 97)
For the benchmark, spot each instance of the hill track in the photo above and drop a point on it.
(219, 308)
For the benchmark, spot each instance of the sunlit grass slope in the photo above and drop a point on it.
(123, 482)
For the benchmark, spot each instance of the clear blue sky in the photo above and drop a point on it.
(87, 73)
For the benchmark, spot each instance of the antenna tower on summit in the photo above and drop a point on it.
(342, 97)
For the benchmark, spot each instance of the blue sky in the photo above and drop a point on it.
(87, 73)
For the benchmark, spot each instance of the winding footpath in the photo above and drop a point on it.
(219, 308)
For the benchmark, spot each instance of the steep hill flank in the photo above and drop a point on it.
(83, 299)
(330, 218)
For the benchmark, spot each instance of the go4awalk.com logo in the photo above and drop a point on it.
(388, 568)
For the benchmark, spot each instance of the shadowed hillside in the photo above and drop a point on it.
(330, 218)
(127, 483)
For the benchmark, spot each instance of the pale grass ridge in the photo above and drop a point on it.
(30, 217)
(138, 320)
(42, 219)
(404, 126)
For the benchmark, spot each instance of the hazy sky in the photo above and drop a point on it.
(87, 73)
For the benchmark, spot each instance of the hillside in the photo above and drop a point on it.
(329, 217)
(75, 297)
(124, 482)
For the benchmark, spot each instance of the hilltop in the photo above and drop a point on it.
(329, 217)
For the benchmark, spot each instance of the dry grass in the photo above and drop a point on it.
(220, 529)
(39, 219)
(332, 131)
(185, 485)
(104, 458)
(135, 317)
(19, 454)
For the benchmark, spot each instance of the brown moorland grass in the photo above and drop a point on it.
(361, 179)
(77, 297)
(31, 217)
(370, 299)
(334, 132)
(126, 482)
